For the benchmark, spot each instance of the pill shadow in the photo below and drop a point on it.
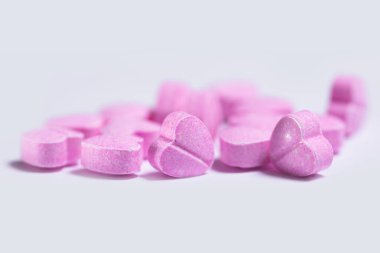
(94, 175)
(270, 171)
(24, 167)
(219, 166)
(157, 176)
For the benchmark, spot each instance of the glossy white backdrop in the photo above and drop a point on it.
(76, 56)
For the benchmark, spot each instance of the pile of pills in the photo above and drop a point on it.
(179, 135)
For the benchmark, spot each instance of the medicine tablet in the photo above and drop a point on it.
(147, 130)
(233, 94)
(206, 106)
(349, 102)
(298, 147)
(88, 124)
(172, 96)
(125, 110)
(265, 105)
(256, 120)
(185, 146)
(334, 130)
(51, 148)
(177, 96)
(244, 147)
(111, 154)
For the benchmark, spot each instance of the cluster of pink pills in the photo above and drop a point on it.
(179, 134)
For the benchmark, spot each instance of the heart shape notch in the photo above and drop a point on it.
(298, 146)
(184, 148)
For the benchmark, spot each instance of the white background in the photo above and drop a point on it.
(59, 57)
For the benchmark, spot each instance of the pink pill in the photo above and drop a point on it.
(244, 147)
(185, 147)
(349, 89)
(265, 105)
(172, 96)
(256, 120)
(89, 125)
(125, 110)
(348, 102)
(51, 148)
(298, 147)
(206, 106)
(111, 154)
(74, 141)
(147, 130)
(353, 116)
(178, 97)
(234, 93)
(334, 130)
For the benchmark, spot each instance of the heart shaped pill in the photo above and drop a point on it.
(349, 102)
(88, 124)
(51, 148)
(185, 146)
(244, 147)
(111, 154)
(298, 146)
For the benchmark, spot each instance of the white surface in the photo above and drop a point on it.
(75, 57)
